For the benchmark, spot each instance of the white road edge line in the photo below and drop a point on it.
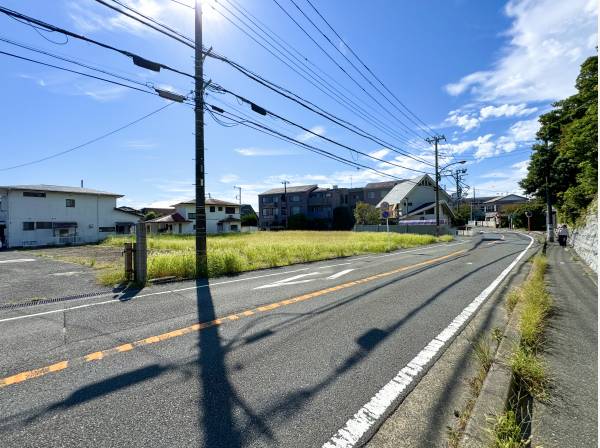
(106, 302)
(339, 274)
(17, 260)
(362, 423)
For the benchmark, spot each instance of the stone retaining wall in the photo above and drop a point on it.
(585, 240)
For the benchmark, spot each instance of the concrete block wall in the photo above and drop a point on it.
(585, 240)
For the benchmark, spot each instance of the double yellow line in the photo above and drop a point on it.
(97, 356)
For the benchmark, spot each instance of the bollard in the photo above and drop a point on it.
(128, 253)
(141, 270)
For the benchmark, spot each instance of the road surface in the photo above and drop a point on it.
(282, 357)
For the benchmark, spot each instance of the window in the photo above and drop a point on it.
(194, 226)
(276, 211)
(266, 200)
(70, 202)
(230, 210)
(371, 195)
(295, 210)
(295, 198)
(234, 227)
(43, 225)
(28, 225)
(191, 215)
(34, 194)
(220, 209)
(212, 208)
(267, 211)
(106, 229)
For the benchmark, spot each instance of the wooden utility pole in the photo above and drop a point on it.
(435, 140)
(201, 260)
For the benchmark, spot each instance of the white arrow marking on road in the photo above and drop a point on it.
(339, 274)
(289, 281)
(18, 260)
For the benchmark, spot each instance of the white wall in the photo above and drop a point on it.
(212, 218)
(90, 213)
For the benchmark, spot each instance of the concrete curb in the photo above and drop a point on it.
(496, 389)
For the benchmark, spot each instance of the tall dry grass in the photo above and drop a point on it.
(173, 255)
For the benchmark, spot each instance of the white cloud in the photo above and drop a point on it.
(504, 182)
(228, 178)
(103, 94)
(524, 131)
(548, 42)
(482, 143)
(506, 110)
(464, 121)
(380, 153)
(140, 144)
(468, 120)
(306, 136)
(258, 152)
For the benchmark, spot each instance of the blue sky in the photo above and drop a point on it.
(478, 72)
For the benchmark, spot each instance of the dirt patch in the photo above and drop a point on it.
(89, 255)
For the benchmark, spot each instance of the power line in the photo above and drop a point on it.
(264, 111)
(243, 70)
(314, 108)
(366, 67)
(250, 123)
(72, 61)
(114, 8)
(89, 142)
(344, 70)
(137, 60)
(301, 64)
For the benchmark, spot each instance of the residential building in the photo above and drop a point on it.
(497, 207)
(221, 217)
(374, 192)
(414, 199)
(314, 202)
(277, 204)
(44, 215)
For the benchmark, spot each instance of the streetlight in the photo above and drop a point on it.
(437, 196)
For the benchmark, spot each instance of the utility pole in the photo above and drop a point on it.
(458, 178)
(239, 189)
(285, 182)
(549, 223)
(435, 140)
(201, 260)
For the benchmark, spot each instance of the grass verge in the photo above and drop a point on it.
(173, 255)
(510, 429)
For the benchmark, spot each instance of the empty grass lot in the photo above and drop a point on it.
(173, 255)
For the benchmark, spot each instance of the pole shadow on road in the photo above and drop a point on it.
(292, 402)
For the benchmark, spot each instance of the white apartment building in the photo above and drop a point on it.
(221, 217)
(45, 215)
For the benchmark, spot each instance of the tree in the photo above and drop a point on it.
(462, 215)
(249, 220)
(366, 214)
(538, 214)
(298, 222)
(342, 218)
(150, 215)
(566, 153)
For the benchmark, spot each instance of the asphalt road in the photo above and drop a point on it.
(25, 276)
(282, 357)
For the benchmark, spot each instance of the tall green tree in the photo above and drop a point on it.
(566, 153)
(366, 214)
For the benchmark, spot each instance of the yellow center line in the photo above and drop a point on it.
(99, 355)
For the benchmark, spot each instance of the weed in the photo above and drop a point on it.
(497, 335)
(530, 372)
(173, 255)
(512, 299)
(506, 432)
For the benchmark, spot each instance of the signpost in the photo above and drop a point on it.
(386, 214)
(529, 215)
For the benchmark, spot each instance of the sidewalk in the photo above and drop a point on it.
(570, 418)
